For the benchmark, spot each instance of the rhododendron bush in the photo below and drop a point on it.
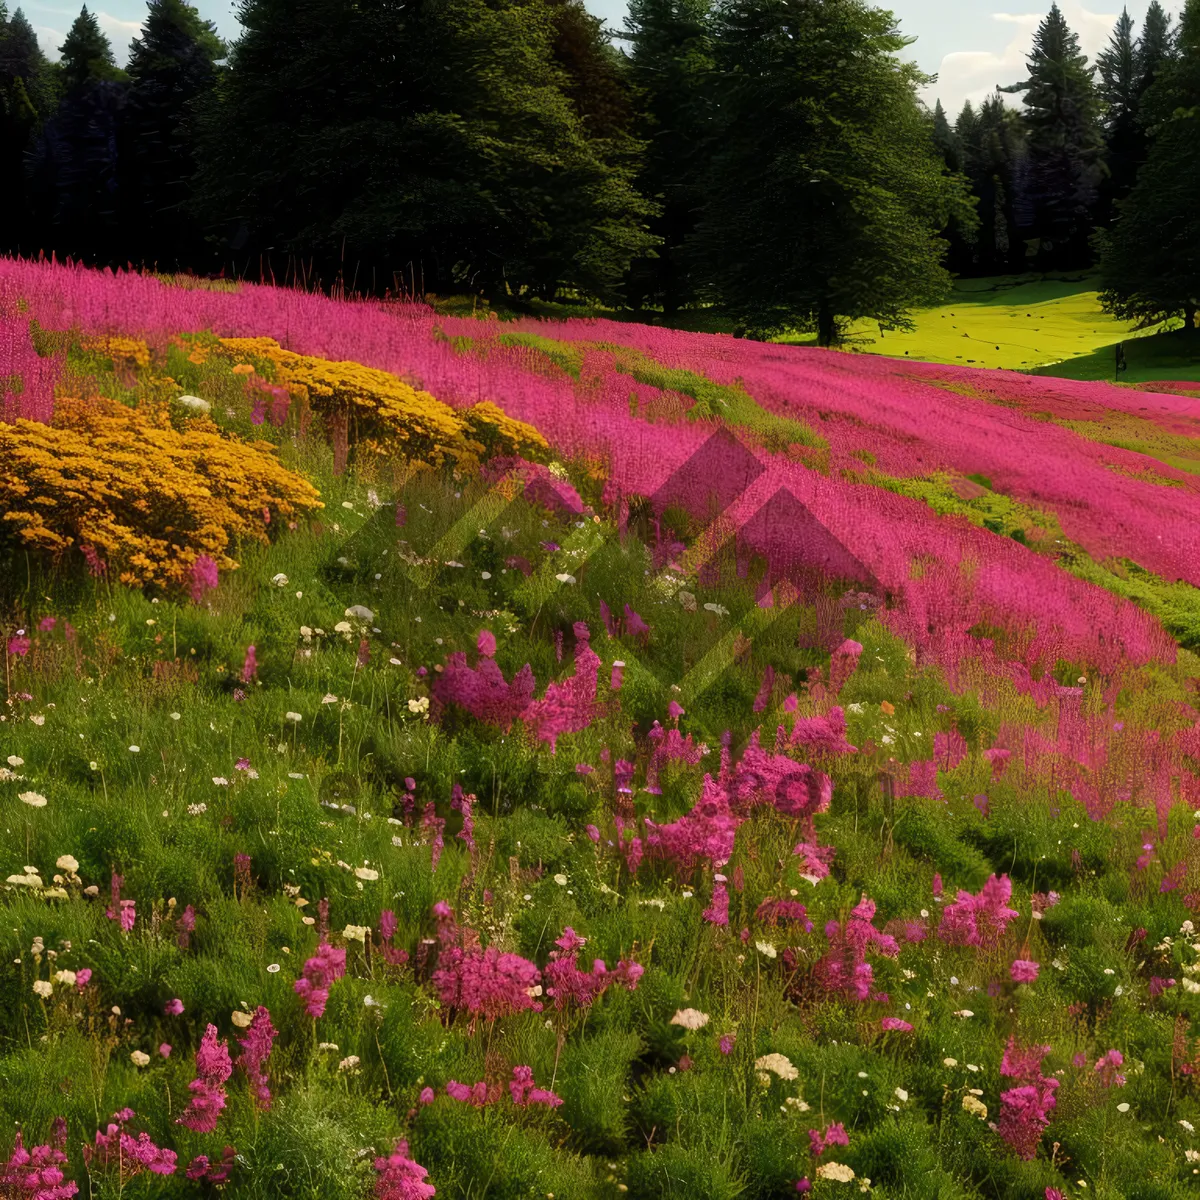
(622, 762)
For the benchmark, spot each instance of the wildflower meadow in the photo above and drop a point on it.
(445, 757)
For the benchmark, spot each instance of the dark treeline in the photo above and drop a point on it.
(768, 156)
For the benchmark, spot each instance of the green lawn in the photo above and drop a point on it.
(1018, 322)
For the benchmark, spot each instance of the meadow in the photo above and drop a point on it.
(476, 759)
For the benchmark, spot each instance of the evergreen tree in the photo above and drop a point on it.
(430, 137)
(993, 148)
(945, 139)
(74, 175)
(1150, 265)
(670, 63)
(960, 237)
(827, 192)
(26, 99)
(74, 166)
(171, 66)
(87, 55)
(1119, 93)
(1065, 144)
(1156, 46)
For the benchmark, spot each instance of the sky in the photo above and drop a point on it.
(971, 45)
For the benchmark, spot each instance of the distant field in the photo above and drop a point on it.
(1046, 326)
(1017, 322)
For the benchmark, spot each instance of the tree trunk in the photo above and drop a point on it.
(1189, 317)
(826, 328)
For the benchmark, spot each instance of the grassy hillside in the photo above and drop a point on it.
(502, 762)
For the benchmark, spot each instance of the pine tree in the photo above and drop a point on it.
(172, 66)
(74, 175)
(1150, 265)
(1119, 93)
(1156, 46)
(945, 139)
(74, 167)
(87, 54)
(826, 190)
(26, 99)
(670, 66)
(993, 145)
(416, 136)
(1065, 144)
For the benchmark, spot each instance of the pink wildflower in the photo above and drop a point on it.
(834, 1135)
(1024, 971)
(186, 923)
(36, 1174)
(979, 920)
(202, 577)
(131, 1156)
(256, 1049)
(726, 1043)
(213, 1068)
(486, 981)
(173, 1007)
(83, 977)
(400, 1178)
(250, 665)
(525, 1093)
(895, 1025)
(320, 972)
(844, 967)
(1107, 1066)
(718, 911)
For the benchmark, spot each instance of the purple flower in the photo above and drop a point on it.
(203, 577)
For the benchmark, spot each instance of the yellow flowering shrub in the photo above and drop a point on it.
(381, 414)
(499, 433)
(149, 498)
(124, 351)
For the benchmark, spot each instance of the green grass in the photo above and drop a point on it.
(1173, 354)
(1016, 322)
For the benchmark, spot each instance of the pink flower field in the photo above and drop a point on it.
(776, 771)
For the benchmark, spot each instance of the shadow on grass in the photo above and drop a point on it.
(1174, 355)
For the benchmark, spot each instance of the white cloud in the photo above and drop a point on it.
(974, 74)
(120, 33)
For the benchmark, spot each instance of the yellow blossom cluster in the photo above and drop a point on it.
(124, 351)
(382, 414)
(146, 498)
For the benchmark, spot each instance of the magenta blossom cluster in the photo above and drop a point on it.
(486, 982)
(781, 912)
(213, 1069)
(979, 920)
(1025, 1109)
(256, 1049)
(215, 1173)
(120, 910)
(834, 1135)
(844, 967)
(320, 973)
(130, 1155)
(568, 985)
(37, 1174)
(400, 1178)
(1107, 1069)
(823, 735)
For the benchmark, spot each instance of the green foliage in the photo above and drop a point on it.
(826, 192)
(451, 138)
(1064, 143)
(1150, 257)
